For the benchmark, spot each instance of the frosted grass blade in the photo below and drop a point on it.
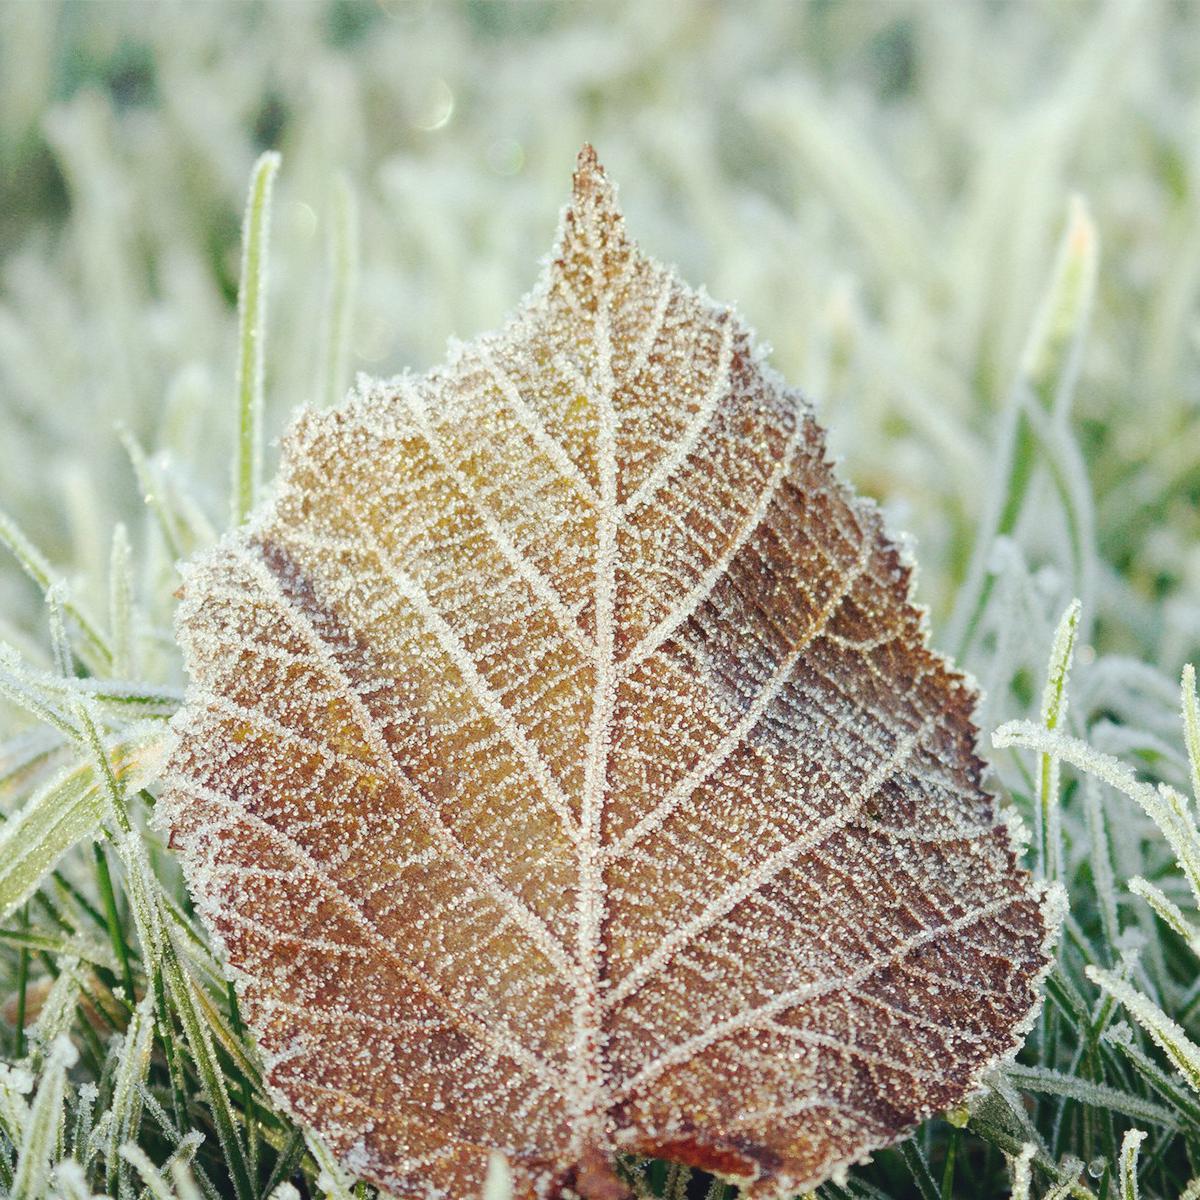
(1045, 377)
(36, 566)
(252, 313)
(1172, 1040)
(1130, 1146)
(1054, 711)
(42, 1131)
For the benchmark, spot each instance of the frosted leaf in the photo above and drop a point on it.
(564, 771)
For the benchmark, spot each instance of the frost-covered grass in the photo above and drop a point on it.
(971, 232)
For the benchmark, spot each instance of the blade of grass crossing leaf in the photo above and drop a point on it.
(246, 1094)
(252, 306)
(678, 1178)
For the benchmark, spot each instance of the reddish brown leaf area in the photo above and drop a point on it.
(564, 770)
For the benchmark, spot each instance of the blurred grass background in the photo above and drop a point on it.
(878, 186)
(969, 231)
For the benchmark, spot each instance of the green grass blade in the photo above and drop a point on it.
(1191, 726)
(1046, 378)
(43, 1129)
(1054, 711)
(1096, 1095)
(63, 812)
(1022, 1172)
(1130, 1145)
(37, 567)
(918, 1169)
(252, 312)
(1183, 1053)
(132, 1069)
(156, 1185)
(120, 603)
(212, 1079)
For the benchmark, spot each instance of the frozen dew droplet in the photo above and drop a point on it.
(564, 772)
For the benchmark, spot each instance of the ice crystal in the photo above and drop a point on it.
(564, 771)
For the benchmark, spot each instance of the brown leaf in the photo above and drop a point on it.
(564, 770)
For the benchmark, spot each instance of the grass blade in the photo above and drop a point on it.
(1046, 378)
(252, 313)
(1054, 711)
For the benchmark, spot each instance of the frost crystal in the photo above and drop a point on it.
(564, 771)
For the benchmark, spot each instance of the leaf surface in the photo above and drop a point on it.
(565, 773)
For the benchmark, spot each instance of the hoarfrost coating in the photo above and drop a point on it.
(564, 771)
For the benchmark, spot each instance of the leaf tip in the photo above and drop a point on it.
(593, 193)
